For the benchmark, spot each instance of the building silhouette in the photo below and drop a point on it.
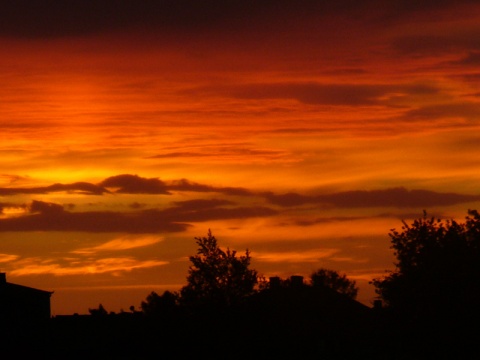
(20, 303)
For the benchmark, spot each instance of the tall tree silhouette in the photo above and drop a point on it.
(437, 270)
(217, 277)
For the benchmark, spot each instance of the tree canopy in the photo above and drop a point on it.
(217, 277)
(437, 268)
(333, 280)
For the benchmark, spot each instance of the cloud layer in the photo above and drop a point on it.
(177, 216)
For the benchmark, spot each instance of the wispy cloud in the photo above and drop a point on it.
(5, 258)
(123, 243)
(293, 256)
(37, 266)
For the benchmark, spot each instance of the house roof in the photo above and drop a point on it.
(4, 285)
(21, 288)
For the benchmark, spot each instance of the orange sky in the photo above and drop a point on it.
(301, 131)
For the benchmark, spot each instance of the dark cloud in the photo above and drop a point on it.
(186, 185)
(325, 220)
(45, 216)
(396, 197)
(136, 205)
(289, 199)
(469, 77)
(437, 44)
(134, 184)
(466, 110)
(471, 59)
(52, 18)
(8, 205)
(214, 209)
(53, 217)
(126, 184)
(318, 93)
(217, 213)
(78, 187)
(46, 208)
(82, 187)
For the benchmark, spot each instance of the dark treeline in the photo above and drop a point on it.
(427, 308)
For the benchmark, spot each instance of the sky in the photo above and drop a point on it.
(304, 131)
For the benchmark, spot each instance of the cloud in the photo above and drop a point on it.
(201, 204)
(126, 184)
(50, 18)
(134, 184)
(36, 266)
(320, 93)
(465, 110)
(225, 153)
(436, 44)
(324, 220)
(395, 197)
(471, 59)
(186, 185)
(312, 255)
(205, 210)
(336, 219)
(81, 187)
(45, 208)
(76, 188)
(12, 210)
(123, 243)
(473, 78)
(136, 205)
(45, 216)
(53, 217)
(11, 179)
(4, 258)
(68, 18)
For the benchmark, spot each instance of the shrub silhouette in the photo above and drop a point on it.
(165, 305)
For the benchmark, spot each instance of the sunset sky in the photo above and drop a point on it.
(302, 130)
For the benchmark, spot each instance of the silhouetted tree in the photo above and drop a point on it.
(217, 277)
(333, 280)
(437, 269)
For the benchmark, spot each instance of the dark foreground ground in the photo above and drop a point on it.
(234, 336)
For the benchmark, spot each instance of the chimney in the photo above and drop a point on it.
(3, 278)
(296, 281)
